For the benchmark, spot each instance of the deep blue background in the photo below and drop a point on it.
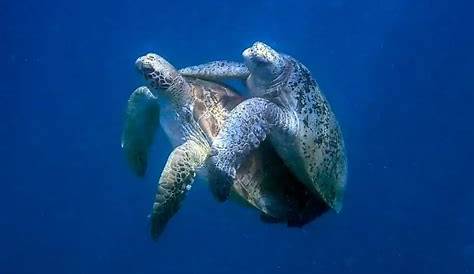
(399, 75)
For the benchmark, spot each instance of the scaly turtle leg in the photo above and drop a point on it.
(175, 181)
(245, 129)
(217, 71)
(141, 121)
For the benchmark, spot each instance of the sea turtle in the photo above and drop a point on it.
(289, 107)
(199, 110)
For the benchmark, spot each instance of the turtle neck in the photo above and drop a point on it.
(179, 93)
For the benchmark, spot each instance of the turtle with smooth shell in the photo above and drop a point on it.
(199, 109)
(289, 107)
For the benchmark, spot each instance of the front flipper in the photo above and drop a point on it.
(175, 181)
(246, 127)
(217, 71)
(141, 121)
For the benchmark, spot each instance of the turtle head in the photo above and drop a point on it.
(159, 72)
(264, 63)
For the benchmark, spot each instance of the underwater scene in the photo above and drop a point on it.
(237, 137)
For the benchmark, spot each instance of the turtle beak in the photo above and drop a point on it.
(139, 62)
(143, 65)
(252, 59)
(249, 58)
(247, 53)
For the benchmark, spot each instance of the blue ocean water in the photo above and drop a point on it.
(398, 74)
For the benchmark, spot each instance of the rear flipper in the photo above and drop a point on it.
(265, 218)
(298, 217)
(308, 208)
(217, 71)
(141, 121)
(175, 181)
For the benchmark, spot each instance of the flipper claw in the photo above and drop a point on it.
(220, 181)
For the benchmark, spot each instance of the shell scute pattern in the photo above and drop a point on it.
(208, 108)
(321, 144)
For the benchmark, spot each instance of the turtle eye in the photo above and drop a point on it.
(147, 67)
(259, 60)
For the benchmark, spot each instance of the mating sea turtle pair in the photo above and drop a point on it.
(201, 109)
(289, 108)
